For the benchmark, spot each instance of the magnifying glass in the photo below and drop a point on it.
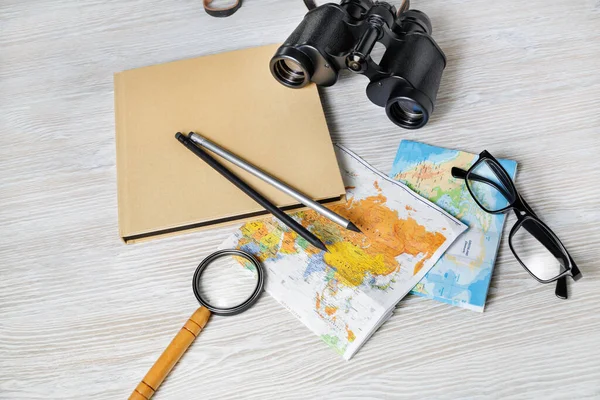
(222, 287)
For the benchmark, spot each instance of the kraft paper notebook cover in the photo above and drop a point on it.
(233, 100)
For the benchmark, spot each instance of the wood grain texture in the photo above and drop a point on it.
(84, 316)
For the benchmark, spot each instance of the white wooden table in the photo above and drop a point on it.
(84, 316)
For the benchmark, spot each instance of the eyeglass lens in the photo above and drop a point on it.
(489, 186)
(538, 250)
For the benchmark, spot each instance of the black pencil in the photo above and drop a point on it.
(243, 186)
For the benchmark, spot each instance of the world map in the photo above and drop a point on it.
(345, 294)
(462, 276)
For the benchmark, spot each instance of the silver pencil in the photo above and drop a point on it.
(308, 202)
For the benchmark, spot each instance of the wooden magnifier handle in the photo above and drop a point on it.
(167, 360)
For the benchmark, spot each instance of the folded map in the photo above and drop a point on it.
(462, 276)
(346, 294)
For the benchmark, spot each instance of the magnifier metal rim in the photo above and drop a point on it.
(260, 282)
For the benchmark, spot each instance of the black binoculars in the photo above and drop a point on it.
(336, 36)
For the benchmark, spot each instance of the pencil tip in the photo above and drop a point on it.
(353, 227)
(321, 246)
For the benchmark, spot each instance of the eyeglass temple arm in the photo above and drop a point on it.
(561, 283)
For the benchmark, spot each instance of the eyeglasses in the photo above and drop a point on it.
(534, 245)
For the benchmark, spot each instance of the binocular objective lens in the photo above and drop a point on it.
(410, 109)
(293, 66)
(289, 72)
(407, 113)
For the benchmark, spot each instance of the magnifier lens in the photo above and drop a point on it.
(226, 283)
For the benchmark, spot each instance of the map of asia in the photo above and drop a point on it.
(345, 294)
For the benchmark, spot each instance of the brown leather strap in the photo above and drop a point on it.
(221, 12)
(227, 11)
(403, 7)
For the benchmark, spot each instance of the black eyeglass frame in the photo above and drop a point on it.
(524, 213)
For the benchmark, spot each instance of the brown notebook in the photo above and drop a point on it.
(233, 100)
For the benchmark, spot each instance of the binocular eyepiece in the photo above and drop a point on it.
(341, 36)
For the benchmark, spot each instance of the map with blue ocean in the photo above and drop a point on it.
(462, 276)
